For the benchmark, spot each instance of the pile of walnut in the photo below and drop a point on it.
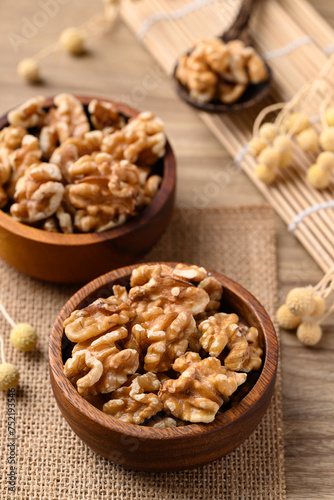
(161, 349)
(68, 170)
(215, 70)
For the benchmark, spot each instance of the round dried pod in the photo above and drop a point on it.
(286, 159)
(286, 319)
(318, 177)
(264, 173)
(29, 70)
(320, 306)
(300, 301)
(270, 157)
(256, 145)
(309, 333)
(9, 376)
(283, 143)
(308, 140)
(24, 337)
(329, 116)
(72, 41)
(268, 131)
(327, 139)
(297, 122)
(326, 160)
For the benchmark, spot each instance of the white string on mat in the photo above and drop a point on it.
(287, 49)
(329, 49)
(308, 211)
(167, 16)
(240, 154)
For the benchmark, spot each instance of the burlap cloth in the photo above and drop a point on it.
(51, 461)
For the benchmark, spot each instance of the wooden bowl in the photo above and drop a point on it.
(74, 258)
(158, 449)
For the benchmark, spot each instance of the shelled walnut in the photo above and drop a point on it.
(108, 172)
(215, 70)
(136, 348)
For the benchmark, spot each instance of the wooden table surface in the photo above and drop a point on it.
(116, 66)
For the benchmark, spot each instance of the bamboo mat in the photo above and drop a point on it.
(52, 463)
(297, 43)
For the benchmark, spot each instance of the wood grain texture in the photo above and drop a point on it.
(117, 67)
(78, 258)
(164, 449)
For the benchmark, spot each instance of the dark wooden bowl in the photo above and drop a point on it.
(156, 449)
(75, 258)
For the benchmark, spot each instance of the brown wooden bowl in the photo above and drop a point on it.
(157, 449)
(74, 258)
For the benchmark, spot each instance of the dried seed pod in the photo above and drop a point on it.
(265, 174)
(297, 122)
(300, 301)
(268, 131)
(270, 157)
(318, 177)
(326, 160)
(9, 376)
(308, 140)
(283, 143)
(72, 41)
(309, 333)
(24, 337)
(256, 145)
(327, 139)
(286, 319)
(320, 306)
(329, 116)
(29, 70)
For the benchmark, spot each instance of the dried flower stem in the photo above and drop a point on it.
(6, 316)
(2, 348)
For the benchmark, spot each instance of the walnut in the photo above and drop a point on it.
(121, 293)
(199, 392)
(11, 137)
(158, 285)
(48, 141)
(109, 367)
(222, 330)
(141, 141)
(73, 148)
(245, 351)
(104, 115)
(166, 337)
(97, 318)
(50, 225)
(192, 273)
(38, 193)
(29, 114)
(215, 333)
(137, 402)
(230, 92)
(105, 198)
(68, 118)
(152, 186)
(116, 364)
(214, 290)
(20, 159)
(93, 164)
(163, 423)
(64, 219)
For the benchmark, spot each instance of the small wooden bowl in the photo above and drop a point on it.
(156, 449)
(75, 258)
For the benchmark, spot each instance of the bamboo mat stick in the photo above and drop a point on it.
(282, 31)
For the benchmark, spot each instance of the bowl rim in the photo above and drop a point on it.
(224, 419)
(79, 239)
